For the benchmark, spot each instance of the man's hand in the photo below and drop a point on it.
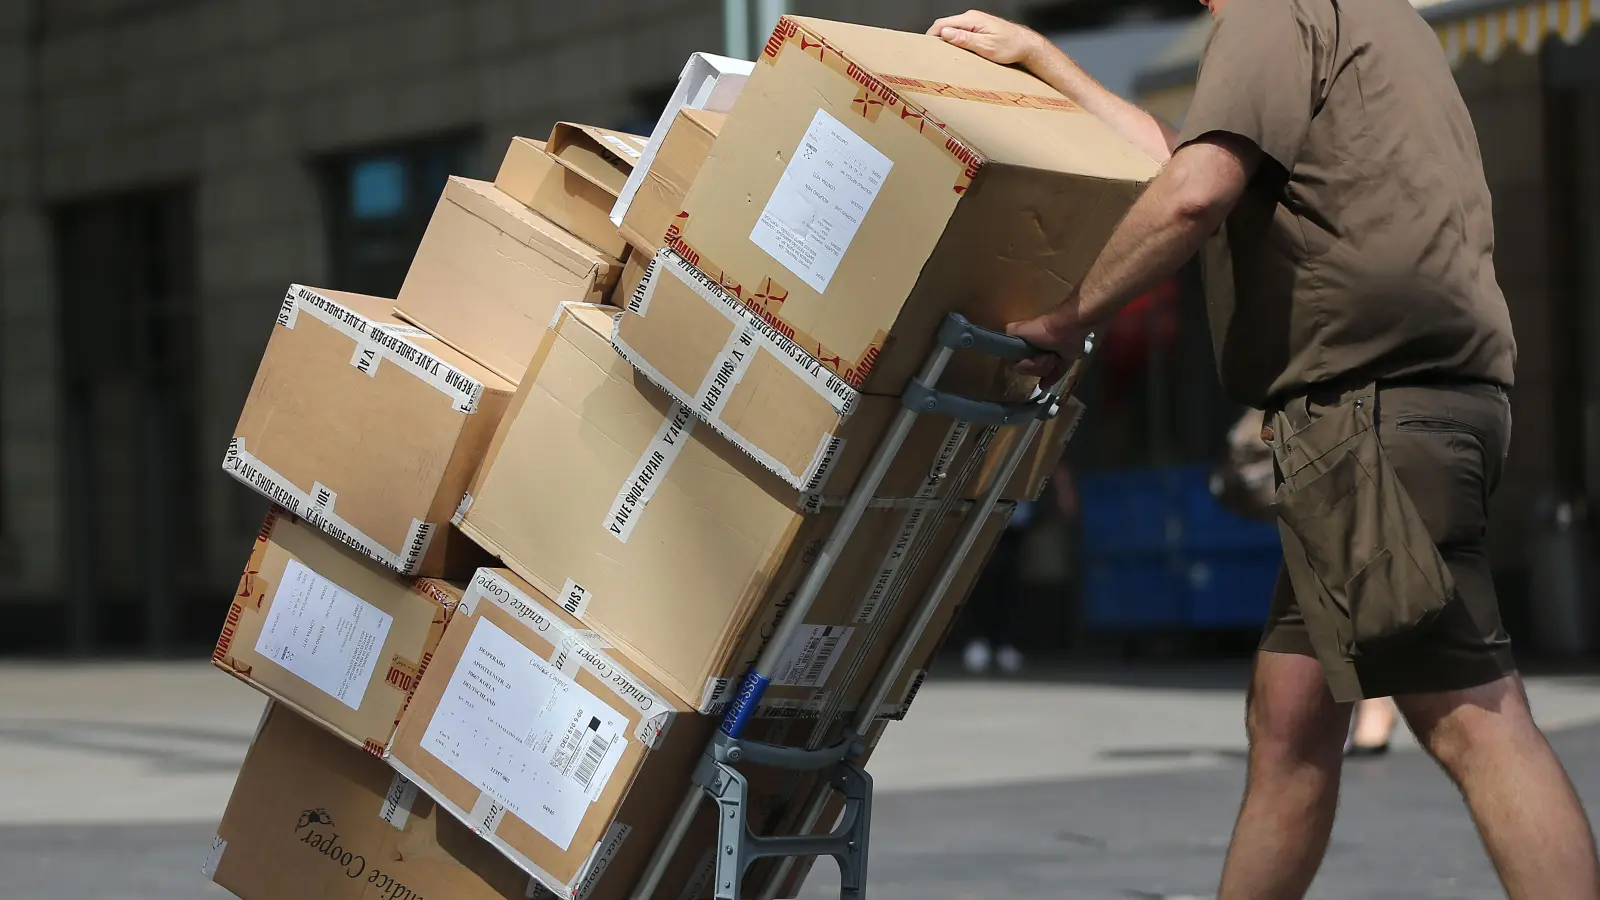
(991, 37)
(1059, 341)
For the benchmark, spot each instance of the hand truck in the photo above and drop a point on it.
(717, 775)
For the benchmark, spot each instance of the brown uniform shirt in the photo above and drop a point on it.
(1364, 246)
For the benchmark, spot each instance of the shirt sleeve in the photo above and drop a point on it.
(1257, 79)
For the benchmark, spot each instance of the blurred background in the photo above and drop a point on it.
(167, 167)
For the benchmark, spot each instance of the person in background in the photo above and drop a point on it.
(992, 611)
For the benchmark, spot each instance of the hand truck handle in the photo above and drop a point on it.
(958, 333)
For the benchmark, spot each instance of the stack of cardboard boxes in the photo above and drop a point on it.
(535, 515)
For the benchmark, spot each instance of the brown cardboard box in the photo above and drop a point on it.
(677, 161)
(677, 547)
(337, 637)
(743, 376)
(548, 743)
(311, 816)
(368, 428)
(561, 195)
(490, 273)
(867, 182)
(603, 156)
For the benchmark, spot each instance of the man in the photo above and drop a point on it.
(1328, 144)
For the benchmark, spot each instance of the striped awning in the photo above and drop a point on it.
(1487, 30)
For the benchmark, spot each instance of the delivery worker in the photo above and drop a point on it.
(1328, 145)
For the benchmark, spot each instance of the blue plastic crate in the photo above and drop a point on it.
(1132, 592)
(1209, 526)
(1130, 511)
(1230, 590)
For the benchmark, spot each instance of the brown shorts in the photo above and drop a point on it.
(1383, 509)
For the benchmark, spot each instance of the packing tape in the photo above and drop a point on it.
(599, 861)
(257, 475)
(648, 473)
(379, 340)
(208, 867)
(462, 508)
(656, 714)
(397, 802)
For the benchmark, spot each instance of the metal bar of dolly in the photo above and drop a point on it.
(716, 775)
(912, 635)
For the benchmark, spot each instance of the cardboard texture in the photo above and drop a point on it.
(530, 729)
(490, 273)
(337, 637)
(367, 428)
(867, 182)
(676, 546)
(756, 387)
(605, 157)
(677, 161)
(311, 816)
(536, 180)
(708, 82)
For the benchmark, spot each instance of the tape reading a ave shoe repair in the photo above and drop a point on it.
(648, 473)
(379, 340)
(319, 512)
(656, 714)
(208, 866)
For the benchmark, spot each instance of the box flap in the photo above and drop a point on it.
(708, 82)
(496, 207)
(602, 156)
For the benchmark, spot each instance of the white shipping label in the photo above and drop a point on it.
(812, 654)
(523, 733)
(648, 474)
(324, 634)
(825, 192)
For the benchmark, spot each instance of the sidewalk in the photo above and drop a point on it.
(1112, 784)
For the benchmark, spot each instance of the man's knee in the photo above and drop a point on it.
(1456, 727)
(1291, 717)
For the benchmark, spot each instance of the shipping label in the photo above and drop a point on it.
(811, 656)
(525, 734)
(324, 634)
(825, 191)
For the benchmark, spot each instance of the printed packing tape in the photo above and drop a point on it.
(257, 475)
(657, 715)
(375, 342)
(398, 801)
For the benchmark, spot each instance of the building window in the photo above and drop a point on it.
(132, 456)
(377, 204)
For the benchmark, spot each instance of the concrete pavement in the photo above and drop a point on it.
(1090, 784)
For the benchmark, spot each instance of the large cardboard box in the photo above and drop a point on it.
(708, 82)
(332, 634)
(667, 179)
(490, 273)
(538, 181)
(681, 550)
(546, 741)
(367, 428)
(743, 375)
(311, 816)
(867, 182)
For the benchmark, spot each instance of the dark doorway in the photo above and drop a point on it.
(130, 371)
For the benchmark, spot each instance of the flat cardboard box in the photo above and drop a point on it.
(677, 547)
(332, 634)
(671, 172)
(561, 195)
(744, 376)
(311, 816)
(490, 272)
(709, 82)
(367, 428)
(603, 156)
(546, 741)
(868, 182)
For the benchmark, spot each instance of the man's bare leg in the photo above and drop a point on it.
(1297, 735)
(1526, 809)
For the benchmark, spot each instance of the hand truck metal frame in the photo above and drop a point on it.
(717, 775)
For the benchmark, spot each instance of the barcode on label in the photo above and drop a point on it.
(593, 755)
(812, 655)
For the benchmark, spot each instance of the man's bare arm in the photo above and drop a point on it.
(1011, 44)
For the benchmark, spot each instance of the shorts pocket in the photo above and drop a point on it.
(1366, 545)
